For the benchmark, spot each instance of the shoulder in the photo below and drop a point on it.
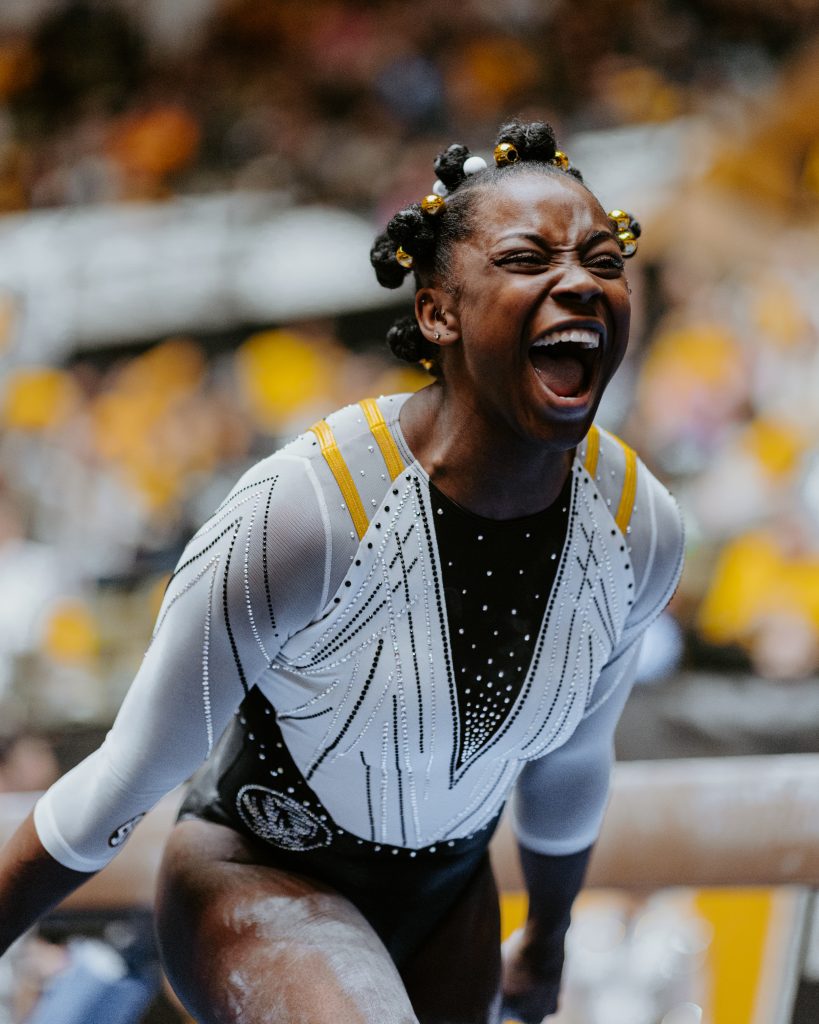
(303, 460)
(647, 515)
(351, 429)
(275, 477)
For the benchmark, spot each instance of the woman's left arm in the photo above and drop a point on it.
(560, 799)
(557, 810)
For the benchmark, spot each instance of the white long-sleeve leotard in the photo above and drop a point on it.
(347, 639)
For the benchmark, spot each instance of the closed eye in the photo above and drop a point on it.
(606, 261)
(523, 258)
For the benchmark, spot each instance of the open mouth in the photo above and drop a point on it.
(565, 360)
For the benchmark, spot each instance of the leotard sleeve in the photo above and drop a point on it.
(559, 800)
(255, 573)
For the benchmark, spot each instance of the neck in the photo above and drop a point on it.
(480, 463)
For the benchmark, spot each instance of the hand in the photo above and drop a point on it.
(530, 980)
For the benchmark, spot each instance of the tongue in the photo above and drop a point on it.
(562, 374)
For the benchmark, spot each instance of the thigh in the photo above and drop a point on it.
(454, 978)
(244, 941)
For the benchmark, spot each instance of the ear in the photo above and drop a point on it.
(437, 316)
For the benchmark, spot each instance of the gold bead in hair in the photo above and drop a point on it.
(626, 229)
(627, 243)
(505, 154)
(404, 258)
(621, 219)
(433, 204)
(560, 160)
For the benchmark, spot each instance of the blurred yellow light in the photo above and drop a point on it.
(778, 313)
(37, 398)
(278, 373)
(402, 379)
(502, 66)
(158, 483)
(157, 594)
(71, 633)
(754, 578)
(157, 142)
(776, 446)
(175, 366)
(703, 352)
(641, 94)
(738, 588)
(18, 66)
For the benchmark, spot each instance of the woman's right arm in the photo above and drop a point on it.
(238, 592)
(31, 882)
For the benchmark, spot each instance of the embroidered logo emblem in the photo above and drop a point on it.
(280, 820)
(119, 835)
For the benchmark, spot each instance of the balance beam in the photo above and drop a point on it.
(700, 822)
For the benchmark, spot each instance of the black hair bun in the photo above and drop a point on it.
(389, 272)
(412, 230)
(449, 165)
(408, 343)
(533, 141)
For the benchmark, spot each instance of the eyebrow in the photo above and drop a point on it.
(533, 236)
(600, 236)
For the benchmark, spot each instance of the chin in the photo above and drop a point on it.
(564, 420)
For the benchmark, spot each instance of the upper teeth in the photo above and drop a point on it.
(578, 336)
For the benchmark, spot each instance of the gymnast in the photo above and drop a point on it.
(423, 607)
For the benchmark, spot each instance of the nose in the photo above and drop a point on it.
(577, 284)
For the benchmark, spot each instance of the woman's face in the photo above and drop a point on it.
(542, 307)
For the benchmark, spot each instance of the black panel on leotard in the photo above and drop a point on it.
(498, 574)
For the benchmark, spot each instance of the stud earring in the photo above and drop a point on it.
(437, 335)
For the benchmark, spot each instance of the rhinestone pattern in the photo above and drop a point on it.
(454, 649)
(497, 577)
(433, 746)
(351, 656)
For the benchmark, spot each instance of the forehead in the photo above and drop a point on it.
(557, 207)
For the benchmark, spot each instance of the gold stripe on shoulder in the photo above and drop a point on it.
(383, 437)
(338, 467)
(592, 451)
(629, 492)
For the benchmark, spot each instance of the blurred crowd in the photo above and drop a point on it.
(110, 460)
(108, 469)
(343, 100)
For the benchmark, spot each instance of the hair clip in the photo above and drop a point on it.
(404, 258)
(505, 154)
(433, 204)
(627, 230)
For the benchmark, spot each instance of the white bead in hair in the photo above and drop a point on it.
(440, 189)
(473, 164)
